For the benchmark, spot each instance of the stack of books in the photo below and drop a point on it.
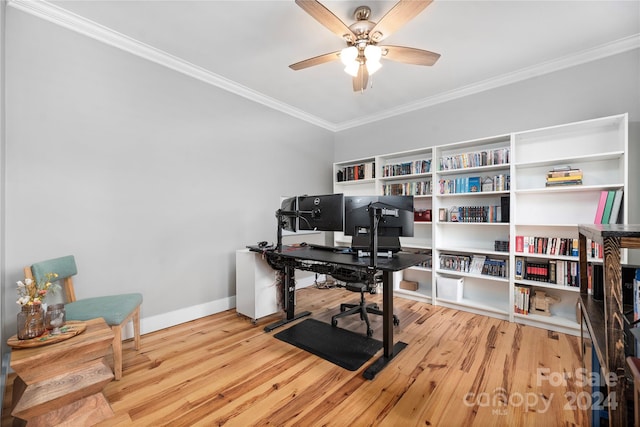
(564, 175)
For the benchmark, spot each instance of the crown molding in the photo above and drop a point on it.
(603, 51)
(79, 24)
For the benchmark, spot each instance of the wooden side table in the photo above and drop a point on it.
(63, 382)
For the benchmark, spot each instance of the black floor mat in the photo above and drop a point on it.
(340, 346)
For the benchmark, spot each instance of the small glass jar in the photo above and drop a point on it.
(55, 318)
(30, 322)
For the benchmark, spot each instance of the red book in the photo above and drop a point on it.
(519, 243)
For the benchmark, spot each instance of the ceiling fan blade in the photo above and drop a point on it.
(317, 60)
(409, 55)
(326, 18)
(400, 14)
(360, 81)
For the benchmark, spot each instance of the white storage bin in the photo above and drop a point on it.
(449, 288)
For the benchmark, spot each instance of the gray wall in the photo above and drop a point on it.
(150, 178)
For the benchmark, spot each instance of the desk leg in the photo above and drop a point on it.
(389, 349)
(289, 298)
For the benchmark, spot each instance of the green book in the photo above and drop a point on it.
(607, 207)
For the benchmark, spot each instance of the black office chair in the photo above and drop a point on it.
(347, 309)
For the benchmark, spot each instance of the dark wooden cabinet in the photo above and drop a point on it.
(605, 319)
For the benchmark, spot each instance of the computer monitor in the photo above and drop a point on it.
(396, 220)
(322, 213)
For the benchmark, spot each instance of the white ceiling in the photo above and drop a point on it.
(246, 47)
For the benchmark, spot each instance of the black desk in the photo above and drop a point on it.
(290, 258)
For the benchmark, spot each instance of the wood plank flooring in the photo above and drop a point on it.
(459, 369)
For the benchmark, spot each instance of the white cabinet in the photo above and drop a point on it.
(256, 286)
(486, 194)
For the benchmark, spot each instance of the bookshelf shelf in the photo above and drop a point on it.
(419, 295)
(519, 163)
(612, 155)
(420, 269)
(474, 169)
(358, 182)
(553, 321)
(472, 275)
(547, 285)
(571, 189)
(466, 224)
(472, 304)
(475, 194)
(478, 251)
(407, 246)
(545, 256)
(408, 177)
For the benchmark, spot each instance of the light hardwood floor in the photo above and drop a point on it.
(459, 369)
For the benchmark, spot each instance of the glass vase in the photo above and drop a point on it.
(55, 318)
(30, 322)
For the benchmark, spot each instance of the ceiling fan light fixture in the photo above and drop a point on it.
(373, 55)
(352, 68)
(348, 55)
(373, 66)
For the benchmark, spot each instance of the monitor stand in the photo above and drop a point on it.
(387, 245)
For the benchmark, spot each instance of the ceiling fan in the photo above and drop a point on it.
(362, 55)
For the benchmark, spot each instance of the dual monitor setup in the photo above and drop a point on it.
(374, 222)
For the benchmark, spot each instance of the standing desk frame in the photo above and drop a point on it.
(289, 258)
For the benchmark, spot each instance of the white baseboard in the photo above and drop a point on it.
(187, 314)
(176, 317)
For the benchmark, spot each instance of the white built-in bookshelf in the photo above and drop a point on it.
(469, 185)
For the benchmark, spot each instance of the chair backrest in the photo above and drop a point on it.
(64, 267)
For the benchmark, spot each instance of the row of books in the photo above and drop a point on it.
(474, 184)
(501, 245)
(460, 263)
(636, 295)
(476, 264)
(499, 156)
(594, 249)
(407, 168)
(566, 246)
(608, 209)
(565, 175)
(559, 272)
(521, 299)
(491, 213)
(355, 172)
(426, 263)
(414, 188)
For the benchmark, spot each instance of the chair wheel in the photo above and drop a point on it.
(334, 322)
(396, 321)
(369, 332)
